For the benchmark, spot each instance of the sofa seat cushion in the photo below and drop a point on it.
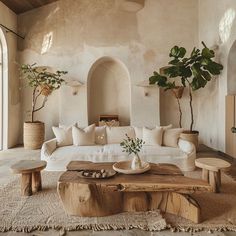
(113, 149)
(162, 151)
(73, 151)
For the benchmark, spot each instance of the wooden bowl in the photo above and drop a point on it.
(124, 167)
(110, 173)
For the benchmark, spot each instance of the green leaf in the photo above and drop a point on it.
(182, 52)
(207, 53)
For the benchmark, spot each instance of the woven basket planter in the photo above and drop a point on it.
(178, 91)
(33, 135)
(191, 137)
(46, 90)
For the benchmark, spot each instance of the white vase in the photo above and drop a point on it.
(136, 162)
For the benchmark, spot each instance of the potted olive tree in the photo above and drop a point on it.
(193, 72)
(43, 82)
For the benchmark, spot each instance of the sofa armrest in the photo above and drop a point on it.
(48, 148)
(186, 146)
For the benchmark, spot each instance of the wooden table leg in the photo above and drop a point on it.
(214, 181)
(26, 184)
(219, 177)
(205, 175)
(36, 181)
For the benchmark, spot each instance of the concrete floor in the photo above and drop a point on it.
(7, 158)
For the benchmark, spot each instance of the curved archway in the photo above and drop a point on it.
(231, 84)
(108, 88)
(3, 91)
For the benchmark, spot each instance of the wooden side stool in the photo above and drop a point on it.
(211, 171)
(30, 171)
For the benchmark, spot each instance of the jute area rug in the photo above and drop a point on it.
(44, 211)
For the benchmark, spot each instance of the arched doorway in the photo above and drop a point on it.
(3, 91)
(109, 90)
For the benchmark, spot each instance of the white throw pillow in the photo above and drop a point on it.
(138, 132)
(117, 134)
(63, 135)
(171, 137)
(165, 127)
(100, 135)
(152, 136)
(83, 137)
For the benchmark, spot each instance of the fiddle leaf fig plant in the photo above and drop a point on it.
(193, 71)
(43, 83)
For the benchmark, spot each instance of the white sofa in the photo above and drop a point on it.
(58, 157)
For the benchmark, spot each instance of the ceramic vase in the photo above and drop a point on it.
(136, 162)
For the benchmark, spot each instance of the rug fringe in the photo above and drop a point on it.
(95, 227)
(101, 227)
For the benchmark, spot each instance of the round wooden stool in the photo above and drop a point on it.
(211, 171)
(30, 175)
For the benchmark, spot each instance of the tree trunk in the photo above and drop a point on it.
(180, 113)
(191, 108)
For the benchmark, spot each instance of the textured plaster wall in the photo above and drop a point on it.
(109, 91)
(9, 19)
(217, 27)
(83, 31)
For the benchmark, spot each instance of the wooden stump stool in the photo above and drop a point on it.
(30, 175)
(211, 171)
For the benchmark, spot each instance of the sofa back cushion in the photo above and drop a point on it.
(152, 136)
(117, 134)
(100, 135)
(83, 137)
(139, 130)
(171, 137)
(63, 135)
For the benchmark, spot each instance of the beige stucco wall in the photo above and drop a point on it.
(9, 19)
(83, 31)
(109, 91)
(217, 27)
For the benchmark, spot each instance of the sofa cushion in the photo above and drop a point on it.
(152, 136)
(83, 137)
(63, 135)
(118, 134)
(113, 149)
(139, 130)
(100, 135)
(171, 137)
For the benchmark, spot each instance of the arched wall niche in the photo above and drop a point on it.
(231, 73)
(3, 92)
(108, 88)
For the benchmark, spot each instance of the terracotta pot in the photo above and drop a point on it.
(191, 136)
(46, 90)
(178, 91)
(33, 135)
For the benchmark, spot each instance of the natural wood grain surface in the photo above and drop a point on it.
(213, 164)
(160, 169)
(26, 183)
(28, 166)
(147, 191)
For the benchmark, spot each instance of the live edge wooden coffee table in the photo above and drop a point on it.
(163, 187)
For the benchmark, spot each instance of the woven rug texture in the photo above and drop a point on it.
(43, 211)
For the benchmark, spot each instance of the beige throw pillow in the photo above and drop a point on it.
(117, 134)
(100, 135)
(152, 136)
(138, 132)
(63, 135)
(83, 137)
(171, 137)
